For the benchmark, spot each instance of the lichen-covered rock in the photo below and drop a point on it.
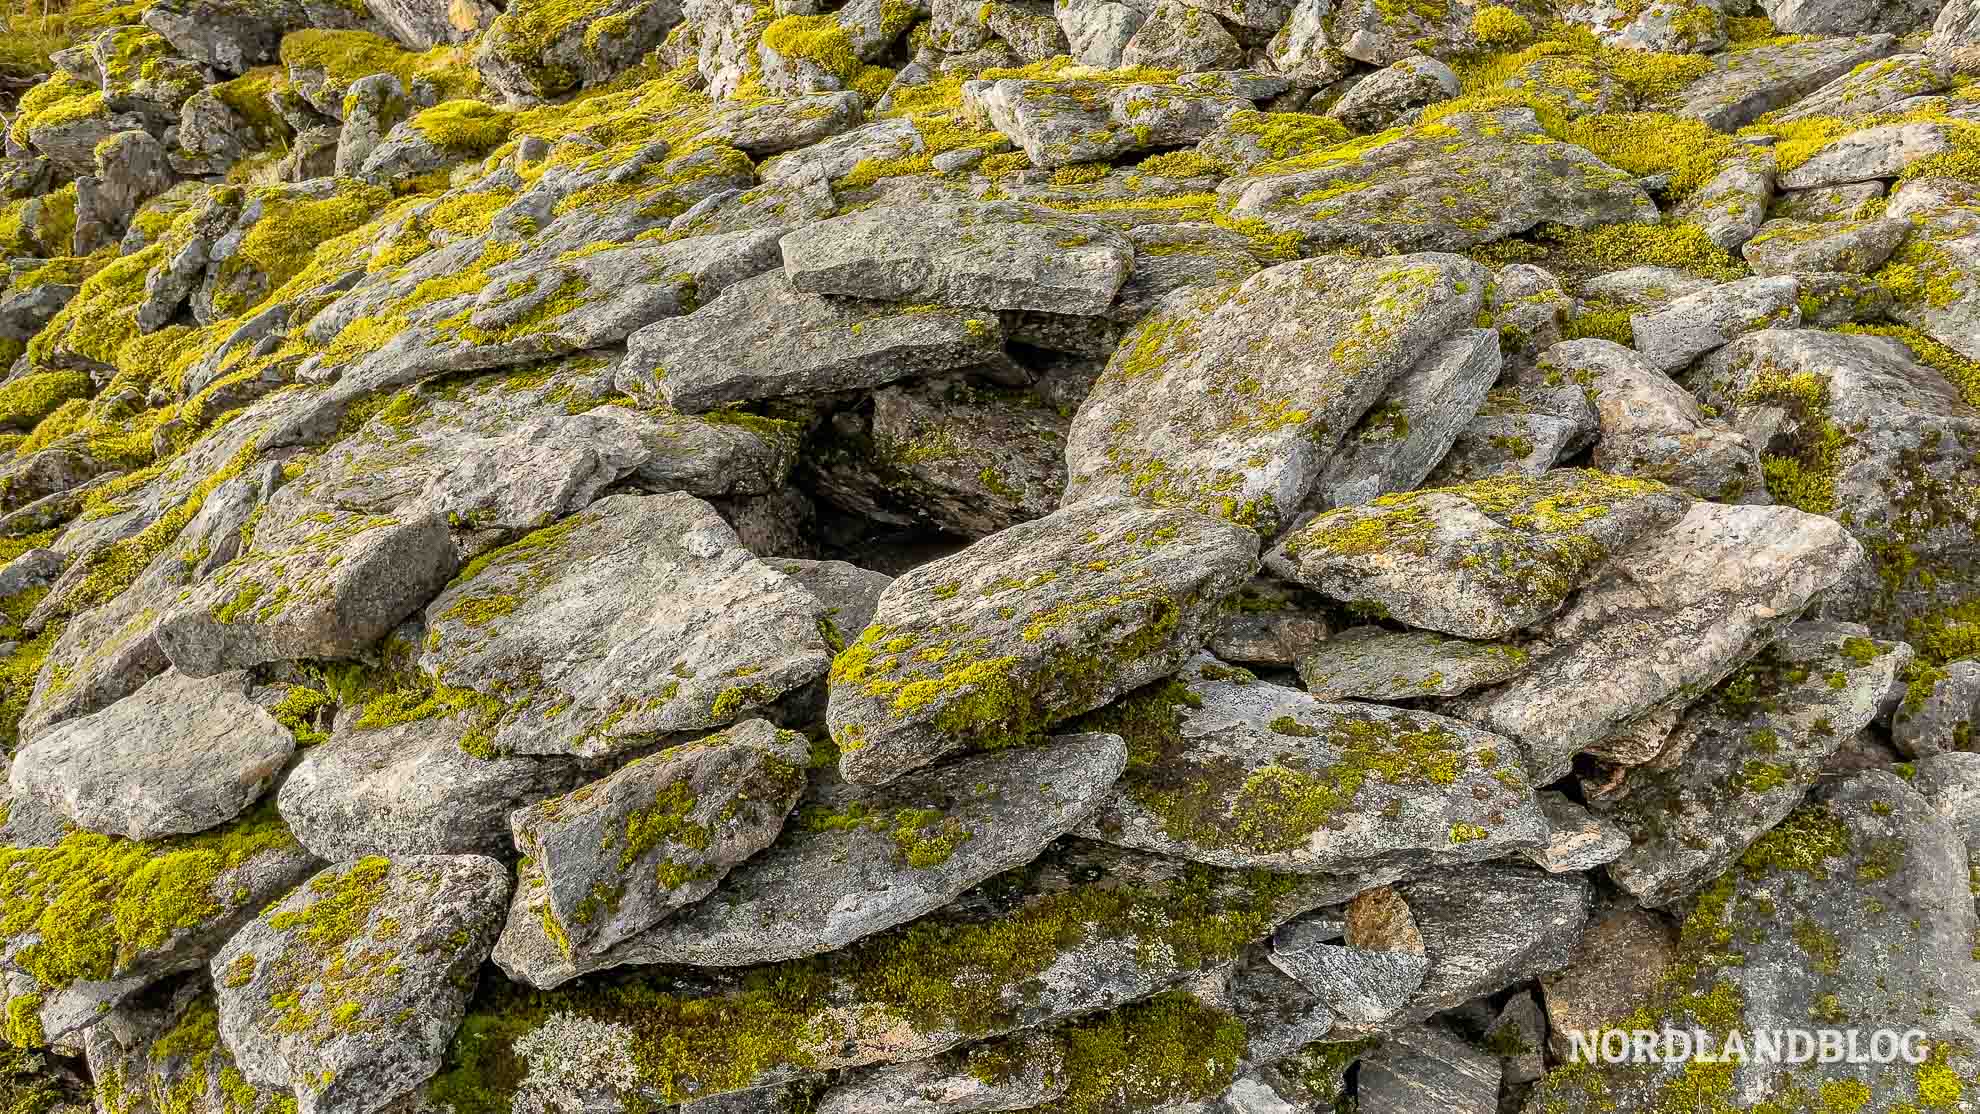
(1040, 622)
(1415, 422)
(1853, 911)
(763, 338)
(1679, 332)
(1423, 1069)
(1956, 34)
(1577, 839)
(853, 862)
(1480, 560)
(536, 49)
(1879, 152)
(412, 788)
(623, 853)
(1029, 1072)
(178, 756)
(1394, 95)
(1673, 616)
(1733, 205)
(1094, 118)
(167, 1043)
(1668, 26)
(1847, 17)
(1653, 428)
(91, 919)
(1622, 959)
(1183, 37)
(1858, 424)
(1938, 719)
(1364, 988)
(1871, 88)
(233, 36)
(1235, 772)
(1001, 256)
(1369, 663)
(348, 990)
(640, 616)
(1469, 178)
(1488, 926)
(1856, 247)
(1935, 276)
(1215, 402)
(1742, 756)
(1744, 85)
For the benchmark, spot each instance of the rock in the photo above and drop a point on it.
(530, 52)
(1956, 34)
(178, 756)
(1879, 152)
(348, 990)
(773, 127)
(1519, 1038)
(1935, 276)
(1617, 969)
(1856, 247)
(1477, 561)
(1744, 85)
(1098, 31)
(1653, 428)
(1853, 910)
(1674, 614)
(1846, 17)
(167, 1043)
(1369, 663)
(1468, 179)
(1423, 1069)
(1059, 122)
(1856, 423)
(373, 106)
(849, 593)
(1578, 839)
(1733, 205)
(1871, 88)
(854, 862)
(1941, 718)
(1001, 256)
(233, 35)
(1853, 201)
(1743, 756)
(1950, 783)
(425, 24)
(1369, 32)
(762, 338)
(1488, 926)
(979, 1079)
(1831, 299)
(1395, 95)
(1180, 36)
(623, 853)
(1042, 621)
(411, 789)
(1415, 422)
(1241, 773)
(92, 919)
(1364, 988)
(1696, 324)
(1192, 399)
(642, 615)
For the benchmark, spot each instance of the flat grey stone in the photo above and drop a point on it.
(1577, 839)
(1369, 663)
(1651, 427)
(996, 643)
(1855, 247)
(1415, 422)
(1427, 1070)
(1488, 926)
(1746, 84)
(642, 615)
(1695, 324)
(180, 755)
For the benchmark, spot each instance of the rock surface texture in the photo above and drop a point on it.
(936, 557)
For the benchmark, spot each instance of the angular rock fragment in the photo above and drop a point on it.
(349, 989)
(167, 1043)
(534, 50)
(638, 617)
(1743, 756)
(1673, 615)
(1480, 560)
(849, 593)
(1653, 428)
(1467, 179)
(1856, 247)
(1215, 402)
(1369, 663)
(1079, 119)
(179, 756)
(1939, 718)
(1026, 1072)
(1617, 969)
(1843, 17)
(1743, 85)
(1488, 926)
(1423, 1069)
(773, 127)
(1410, 428)
(852, 862)
(1733, 205)
(1678, 333)
(1050, 618)
(1241, 773)
(763, 338)
(1879, 152)
(1935, 275)
(621, 854)
(1363, 987)
(1577, 839)
(1000, 256)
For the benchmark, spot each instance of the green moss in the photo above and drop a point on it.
(97, 902)
(30, 398)
(301, 711)
(464, 127)
(343, 57)
(1169, 1050)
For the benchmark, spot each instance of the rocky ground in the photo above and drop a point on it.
(1102, 556)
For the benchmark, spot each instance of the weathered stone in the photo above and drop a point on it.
(1241, 773)
(1673, 615)
(178, 756)
(1741, 758)
(1846, 17)
(1270, 622)
(1410, 428)
(1059, 122)
(773, 127)
(1617, 968)
(1037, 623)
(1940, 294)
(762, 338)
(1180, 36)
(1477, 561)
(533, 51)
(983, 1078)
(1427, 1070)
(410, 789)
(1733, 205)
(1941, 718)
(1369, 663)
(638, 617)
(896, 852)
(1364, 988)
(1216, 401)
(1488, 926)
(1879, 152)
(349, 989)
(1956, 35)
(1395, 95)
(1696, 324)
(1871, 88)
(1746, 84)
(1653, 428)
(166, 1043)
(1854, 201)
(1577, 839)
(622, 853)
(1468, 179)
(1856, 247)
